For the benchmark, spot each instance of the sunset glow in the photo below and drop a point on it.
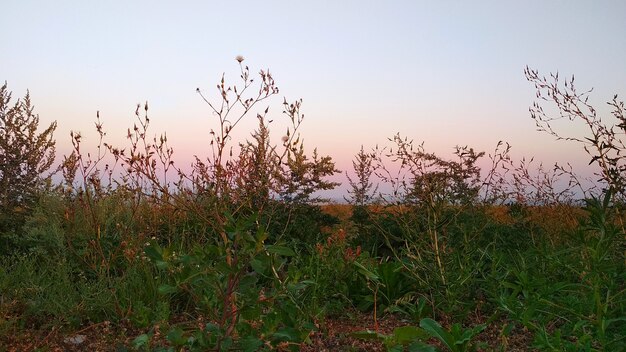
(446, 73)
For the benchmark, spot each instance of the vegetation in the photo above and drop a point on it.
(241, 253)
(25, 157)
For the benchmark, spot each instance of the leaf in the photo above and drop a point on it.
(157, 255)
(154, 252)
(608, 322)
(478, 329)
(301, 285)
(250, 344)
(363, 271)
(260, 267)
(287, 334)
(280, 250)
(419, 346)
(395, 348)
(226, 343)
(406, 334)
(176, 336)
(261, 236)
(247, 282)
(436, 331)
(141, 341)
(161, 265)
(212, 328)
(167, 289)
(507, 329)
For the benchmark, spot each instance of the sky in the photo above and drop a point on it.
(445, 73)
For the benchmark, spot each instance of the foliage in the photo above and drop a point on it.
(456, 339)
(235, 292)
(405, 338)
(413, 339)
(328, 265)
(26, 156)
(428, 194)
(238, 254)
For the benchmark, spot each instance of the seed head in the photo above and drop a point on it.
(239, 58)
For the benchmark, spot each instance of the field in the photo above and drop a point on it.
(128, 252)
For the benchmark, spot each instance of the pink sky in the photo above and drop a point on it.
(445, 73)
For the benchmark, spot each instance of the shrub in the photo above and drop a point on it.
(25, 156)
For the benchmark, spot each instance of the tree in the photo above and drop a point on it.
(363, 190)
(26, 155)
(303, 176)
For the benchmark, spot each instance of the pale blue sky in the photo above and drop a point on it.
(443, 72)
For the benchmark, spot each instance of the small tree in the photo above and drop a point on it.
(303, 176)
(363, 190)
(26, 155)
(362, 193)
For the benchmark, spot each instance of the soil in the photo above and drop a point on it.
(334, 334)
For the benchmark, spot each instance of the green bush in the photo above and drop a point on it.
(26, 155)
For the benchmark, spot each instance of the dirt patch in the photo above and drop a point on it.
(335, 334)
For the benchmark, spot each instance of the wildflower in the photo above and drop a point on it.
(285, 139)
(239, 58)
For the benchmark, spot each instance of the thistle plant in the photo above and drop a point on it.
(227, 188)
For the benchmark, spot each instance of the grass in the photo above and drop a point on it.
(564, 286)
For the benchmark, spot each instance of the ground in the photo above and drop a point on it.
(334, 335)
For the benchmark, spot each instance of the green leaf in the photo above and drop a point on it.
(419, 346)
(507, 329)
(167, 289)
(250, 343)
(163, 349)
(395, 348)
(226, 343)
(300, 285)
(363, 271)
(154, 252)
(259, 266)
(280, 250)
(176, 336)
(161, 265)
(478, 329)
(407, 334)
(141, 341)
(212, 328)
(247, 282)
(261, 236)
(287, 334)
(436, 331)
